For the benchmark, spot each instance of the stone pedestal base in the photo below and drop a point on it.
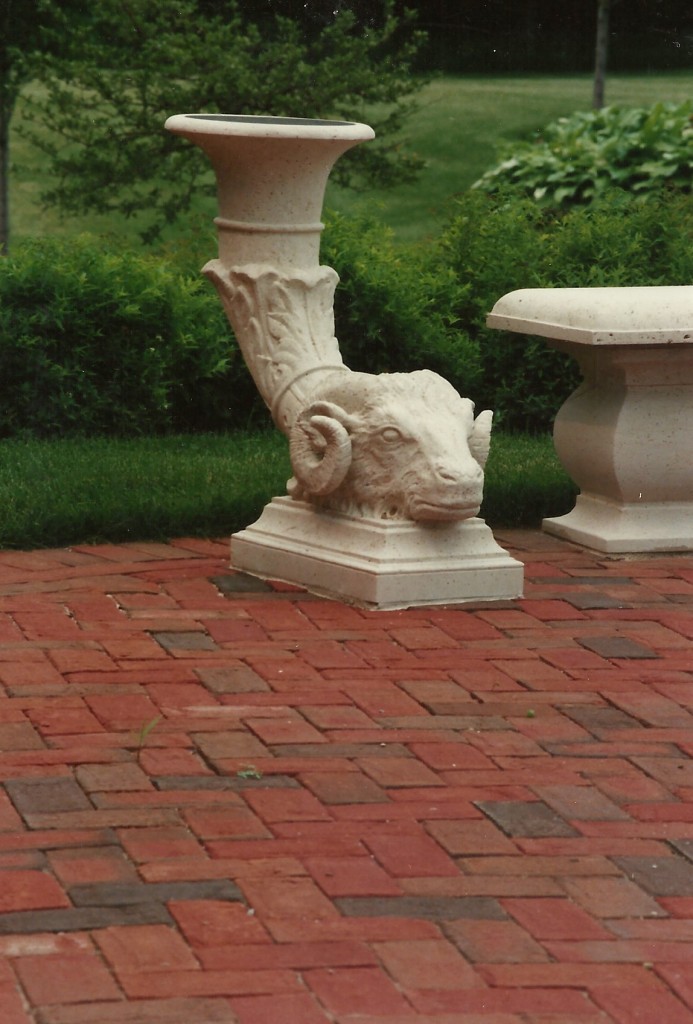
(608, 526)
(624, 436)
(376, 563)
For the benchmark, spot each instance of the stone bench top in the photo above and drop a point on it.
(600, 316)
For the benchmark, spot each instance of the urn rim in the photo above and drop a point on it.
(268, 127)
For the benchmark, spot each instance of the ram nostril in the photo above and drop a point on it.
(451, 475)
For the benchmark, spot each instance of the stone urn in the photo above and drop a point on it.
(382, 509)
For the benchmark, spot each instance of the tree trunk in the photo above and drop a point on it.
(4, 176)
(600, 52)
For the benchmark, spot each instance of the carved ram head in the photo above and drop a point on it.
(391, 446)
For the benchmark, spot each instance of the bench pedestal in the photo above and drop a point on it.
(625, 436)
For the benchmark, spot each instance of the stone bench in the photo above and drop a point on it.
(625, 436)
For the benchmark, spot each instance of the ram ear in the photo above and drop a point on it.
(320, 447)
(480, 437)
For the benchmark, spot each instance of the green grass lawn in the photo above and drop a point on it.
(460, 125)
(56, 493)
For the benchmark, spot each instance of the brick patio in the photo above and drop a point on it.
(224, 802)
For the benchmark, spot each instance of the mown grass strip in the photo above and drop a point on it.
(62, 492)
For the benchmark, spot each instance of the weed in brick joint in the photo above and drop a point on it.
(249, 771)
(144, 732)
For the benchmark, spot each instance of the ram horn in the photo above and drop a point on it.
(320, 448)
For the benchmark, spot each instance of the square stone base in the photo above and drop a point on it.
(605, 525)
(377, 563)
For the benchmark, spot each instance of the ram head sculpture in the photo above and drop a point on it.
(390, 446)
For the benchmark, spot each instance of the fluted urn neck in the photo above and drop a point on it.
(271, 176)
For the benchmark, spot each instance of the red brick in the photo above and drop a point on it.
(298, 956)
(489, 942)
(362, 929)
(356, 990)
(207, 923)
(351, 876)
(165, 984)
(143, 844)
(527, 1001)
(395, 772)
(449, 756)
(585, 976)
(384, 702)
(291, 1009)
(470, 837)
(640, 1005)
(91, 866)
(411, 856)
(48, 980)
(273, 805)
(427, 963)
(145, 948)
(680, 978)
(10, 821)
(554, 919)
(340, 716)
(116, 777)
(30, 890)
(611, 897)
(12, 1006)
(284, 730)
(289, 897)
(160, 763)
(237, 822)
(344, 787)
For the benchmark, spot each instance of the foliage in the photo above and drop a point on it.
(393, 309)
(100, 116)
(104, 341)
(98, 339)
(577, 158)
(495, 244)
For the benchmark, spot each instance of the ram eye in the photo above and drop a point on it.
(391, 435)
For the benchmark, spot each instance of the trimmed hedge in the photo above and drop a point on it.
(103, 341)
(496, 244)
(97, 340)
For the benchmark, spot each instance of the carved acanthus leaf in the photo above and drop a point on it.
(284, 325)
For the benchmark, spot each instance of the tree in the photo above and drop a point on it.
(18, 34)
(601, 52)
(132, 63)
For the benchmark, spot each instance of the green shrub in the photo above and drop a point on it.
(97, 340)
(498, 244)
(577, 158)
(395, 310)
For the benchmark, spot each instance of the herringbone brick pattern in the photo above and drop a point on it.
(227, 802)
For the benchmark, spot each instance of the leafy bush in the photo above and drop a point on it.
(497, 244)
(104, 341)
(577, 158)
(394, 309)
(99, 341)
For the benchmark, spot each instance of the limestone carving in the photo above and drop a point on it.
(391, 446)
(284, 325)
(387, 468)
